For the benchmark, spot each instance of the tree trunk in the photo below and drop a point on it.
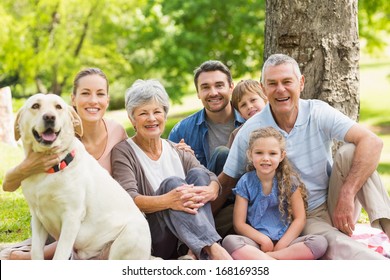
(6, 117)
(323, 37)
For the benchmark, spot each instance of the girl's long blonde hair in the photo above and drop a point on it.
(286, 176)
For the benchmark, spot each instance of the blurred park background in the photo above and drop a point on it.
(44, 43)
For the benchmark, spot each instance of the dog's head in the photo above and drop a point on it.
(45, 122)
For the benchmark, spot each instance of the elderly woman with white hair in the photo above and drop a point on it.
(167, 183)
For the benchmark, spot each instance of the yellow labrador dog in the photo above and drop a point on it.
(76, 202)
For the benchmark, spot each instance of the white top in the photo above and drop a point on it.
(169, 164)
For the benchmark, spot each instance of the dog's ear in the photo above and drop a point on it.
(77, 124)
(16, 124)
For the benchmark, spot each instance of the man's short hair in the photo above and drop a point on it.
(212, 65)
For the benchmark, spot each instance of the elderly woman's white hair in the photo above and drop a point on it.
(143, 92)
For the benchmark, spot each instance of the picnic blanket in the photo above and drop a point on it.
(374, 238)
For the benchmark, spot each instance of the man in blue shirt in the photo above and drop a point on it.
(207, 131)
(336, 191)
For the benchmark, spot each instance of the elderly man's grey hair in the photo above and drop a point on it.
(278, 59)
(144, 91)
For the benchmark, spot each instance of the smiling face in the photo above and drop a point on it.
(214, 90)
(282, 88)
(91, 99)
(149, 120)
(266, 154)
(250, 104)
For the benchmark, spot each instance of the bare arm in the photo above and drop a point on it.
(227, 183)
(365, 161)
(32, 164)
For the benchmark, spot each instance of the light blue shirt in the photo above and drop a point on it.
(263, 210)
(308, 145)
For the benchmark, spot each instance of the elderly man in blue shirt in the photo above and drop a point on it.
(337, 187)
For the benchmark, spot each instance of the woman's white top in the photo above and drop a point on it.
(169, 163)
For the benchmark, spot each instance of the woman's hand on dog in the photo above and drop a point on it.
(37, 163)
(34, 163)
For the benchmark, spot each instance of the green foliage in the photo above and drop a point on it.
(45, 42)
(17, 103)
(374, 24)
(231, 31)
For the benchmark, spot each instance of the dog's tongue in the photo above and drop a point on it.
(49, 136)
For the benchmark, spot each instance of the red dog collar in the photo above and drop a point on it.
(63, 163)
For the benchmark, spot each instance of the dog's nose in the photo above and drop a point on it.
(49, 119)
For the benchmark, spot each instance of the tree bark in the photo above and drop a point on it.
(323, 37)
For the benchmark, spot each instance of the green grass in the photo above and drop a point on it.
(14, 212)
(375, 101)
(374, 109)
(374, 112)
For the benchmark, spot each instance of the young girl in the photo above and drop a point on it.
(270, 207)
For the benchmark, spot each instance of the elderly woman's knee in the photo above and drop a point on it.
(198, 176)
(169, 184)
(195, 171)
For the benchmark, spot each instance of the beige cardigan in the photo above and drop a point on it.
(131, 176)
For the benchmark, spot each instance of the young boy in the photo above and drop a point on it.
(248, 99)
